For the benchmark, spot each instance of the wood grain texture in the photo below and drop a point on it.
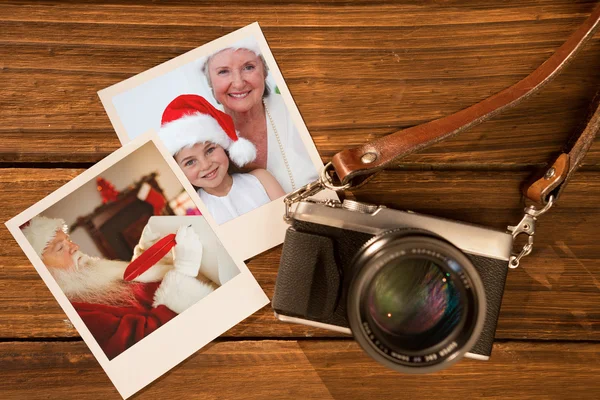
(358, 70)
(555, 295)
(395, 63)
(308, 370)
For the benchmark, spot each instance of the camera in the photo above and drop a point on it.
(417, 292)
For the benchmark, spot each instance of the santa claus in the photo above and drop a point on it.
(117, 312)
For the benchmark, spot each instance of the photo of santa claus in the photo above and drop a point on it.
(120, 312)
(121, 255)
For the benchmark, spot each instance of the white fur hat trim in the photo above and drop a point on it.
(199, 128)
(42, 230)
(248, 43)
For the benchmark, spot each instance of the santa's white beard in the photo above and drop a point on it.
(95, 280)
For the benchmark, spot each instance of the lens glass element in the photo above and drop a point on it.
(414, 303)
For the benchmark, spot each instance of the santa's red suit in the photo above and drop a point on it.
(118, 313)
(118, 328)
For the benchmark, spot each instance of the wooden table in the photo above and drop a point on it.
(357, 72)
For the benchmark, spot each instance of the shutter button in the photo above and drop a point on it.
(364, 208)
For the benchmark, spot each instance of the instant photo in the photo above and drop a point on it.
(227, 118)
(137, 268)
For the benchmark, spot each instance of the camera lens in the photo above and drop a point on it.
(415, 303)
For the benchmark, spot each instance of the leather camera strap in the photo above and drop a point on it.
(374, 156)
(553, 180)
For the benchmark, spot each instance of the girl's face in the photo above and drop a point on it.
(237, 78)
(204, 164)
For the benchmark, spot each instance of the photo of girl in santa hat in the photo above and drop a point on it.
(207, 148)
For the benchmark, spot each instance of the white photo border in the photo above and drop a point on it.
(183, 335)
(260, 229)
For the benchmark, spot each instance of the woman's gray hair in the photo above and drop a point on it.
(206, 73)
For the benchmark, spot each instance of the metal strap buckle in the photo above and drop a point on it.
(300, 194)
(324, 182)
(527, 226)
(327, 181)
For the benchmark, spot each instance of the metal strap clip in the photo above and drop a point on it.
(324, 182)
(299, 195)
(527, 226)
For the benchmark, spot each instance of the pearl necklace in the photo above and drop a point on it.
(285, 161)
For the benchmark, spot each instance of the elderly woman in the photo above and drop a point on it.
(237, 77)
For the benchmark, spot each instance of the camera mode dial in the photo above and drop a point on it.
(364, 208)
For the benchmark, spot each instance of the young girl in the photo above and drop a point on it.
(198, 136)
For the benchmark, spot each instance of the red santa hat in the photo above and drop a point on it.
(41, 230)
(191, 119)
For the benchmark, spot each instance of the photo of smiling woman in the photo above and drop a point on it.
(203, 141)
(237, 77)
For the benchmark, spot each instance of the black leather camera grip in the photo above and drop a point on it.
(308, 281)
(493, 275)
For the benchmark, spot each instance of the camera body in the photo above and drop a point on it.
(348, 267)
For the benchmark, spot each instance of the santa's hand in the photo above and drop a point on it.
(148, 238)
(188, 251)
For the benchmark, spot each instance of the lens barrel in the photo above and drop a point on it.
(416, 302)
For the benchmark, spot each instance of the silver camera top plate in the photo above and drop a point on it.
(471, 239)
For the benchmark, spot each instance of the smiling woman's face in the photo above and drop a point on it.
(238, 79)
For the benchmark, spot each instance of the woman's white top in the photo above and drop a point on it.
(300, 165)
(246, 194)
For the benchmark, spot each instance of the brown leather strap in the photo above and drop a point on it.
(376, 155)
(553, 180)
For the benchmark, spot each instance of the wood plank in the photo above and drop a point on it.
(554, 295)
(79, 130)
(369, 14)
(428, 73)
(307, 369)
(85, 111)
(448, 61)
(362, 33)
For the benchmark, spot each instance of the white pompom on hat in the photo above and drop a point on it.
(40, 231)
(191, 119)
